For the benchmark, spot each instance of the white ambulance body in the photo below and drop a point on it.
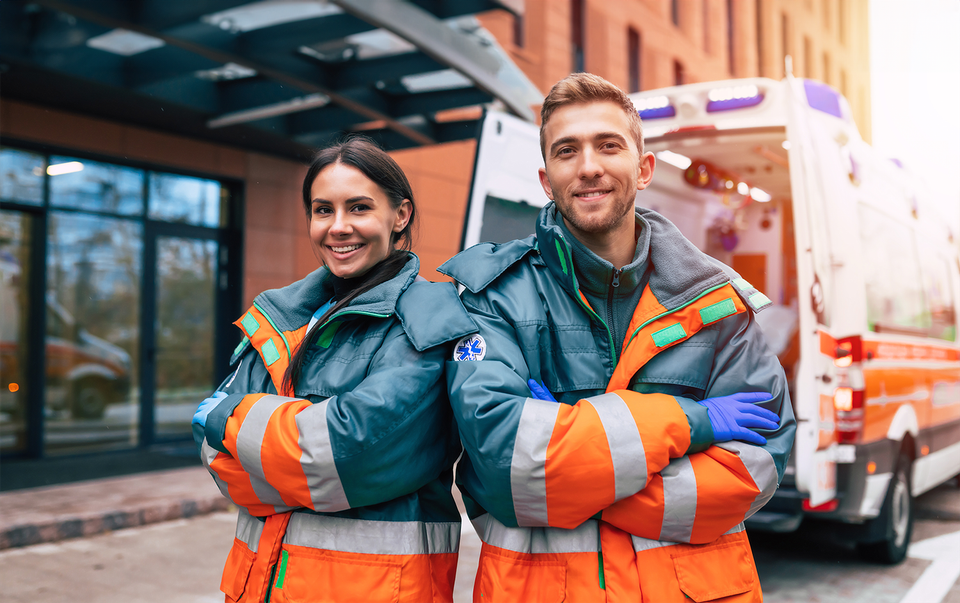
(773, 179)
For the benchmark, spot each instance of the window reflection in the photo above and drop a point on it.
(184, 199)
(93, 315)
(186, 288)
(894, 295)
(21, 176)
(95, 186)
(14, 278)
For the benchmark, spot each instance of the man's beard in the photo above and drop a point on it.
(596, 222)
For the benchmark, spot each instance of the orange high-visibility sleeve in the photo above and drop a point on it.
(605, 448)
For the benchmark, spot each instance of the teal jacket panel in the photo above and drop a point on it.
(375, 372)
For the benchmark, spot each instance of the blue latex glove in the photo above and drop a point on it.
(540, 391)
(732, 417)
(200, 418)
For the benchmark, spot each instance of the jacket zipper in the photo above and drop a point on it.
(615, 284)
(613, 351)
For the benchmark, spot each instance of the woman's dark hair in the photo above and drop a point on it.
(363, 154)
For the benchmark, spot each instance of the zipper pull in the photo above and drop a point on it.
(616, 277)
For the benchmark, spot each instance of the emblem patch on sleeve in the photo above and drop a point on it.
(471, 347)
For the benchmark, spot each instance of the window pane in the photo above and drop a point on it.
(186, 288)
(939, 294)
(83, 184)
(894, 294)
(184, 199)
(21, 176)
(93, 318)
(14, 285)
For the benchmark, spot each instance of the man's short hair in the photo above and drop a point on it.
(579, 88)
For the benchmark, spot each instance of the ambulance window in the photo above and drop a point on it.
(505, 220)
(895, 301)
(937, 288)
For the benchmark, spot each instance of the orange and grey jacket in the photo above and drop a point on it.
(345, 483)
(615, 493)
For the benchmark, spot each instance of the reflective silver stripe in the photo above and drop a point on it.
(626, 446)
(249, 529)
(373, 537)
(735, 529)
(319, 467)
(249, 441)
(207, 454)
(762, 469)
(644, 544)
(528, 476)
(585, 538)
(679, 500)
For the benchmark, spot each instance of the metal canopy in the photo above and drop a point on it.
(276, 76)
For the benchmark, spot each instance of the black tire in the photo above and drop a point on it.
(89, 400)
(895, 519)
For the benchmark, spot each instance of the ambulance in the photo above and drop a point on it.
(774, 179)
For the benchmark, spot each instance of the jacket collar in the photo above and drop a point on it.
(678, 271)
(595, 274)
(292, 306)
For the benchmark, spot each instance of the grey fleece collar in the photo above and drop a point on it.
(679, 272)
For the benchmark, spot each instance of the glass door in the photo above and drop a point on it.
(14, 344)
(185, 335)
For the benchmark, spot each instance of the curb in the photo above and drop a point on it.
(107, 521)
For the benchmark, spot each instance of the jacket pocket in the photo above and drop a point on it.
(713, 572)
(236, 570)
(513, 580)
(306, 575)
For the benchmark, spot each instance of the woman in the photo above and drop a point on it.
(343, 480)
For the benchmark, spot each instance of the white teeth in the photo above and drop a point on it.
(593, 194)
(347, 249)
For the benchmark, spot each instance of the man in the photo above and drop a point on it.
(635, 485)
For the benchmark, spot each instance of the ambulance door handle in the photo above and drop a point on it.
(826, 378)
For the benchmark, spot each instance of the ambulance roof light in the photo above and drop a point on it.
(733, 97)
(655, 107)
(823, 98)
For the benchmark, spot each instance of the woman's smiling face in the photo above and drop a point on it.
(352, 222)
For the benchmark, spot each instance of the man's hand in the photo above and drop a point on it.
(540, 391)
(200, 418)
(732, 417)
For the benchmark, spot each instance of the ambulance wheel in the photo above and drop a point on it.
(89, 400)
(895, 520)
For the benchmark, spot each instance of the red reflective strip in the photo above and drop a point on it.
(830, 505)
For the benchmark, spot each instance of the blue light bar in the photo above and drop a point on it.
(658, 113)
(738, 97)
(655, 107)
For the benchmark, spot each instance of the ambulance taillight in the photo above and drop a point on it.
(848, 399)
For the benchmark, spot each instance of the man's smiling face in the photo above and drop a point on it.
(593, 168)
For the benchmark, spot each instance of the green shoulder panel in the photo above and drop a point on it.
(431, 314)
(751, 296)
(477, 267)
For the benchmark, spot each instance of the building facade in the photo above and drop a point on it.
(138, 268)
